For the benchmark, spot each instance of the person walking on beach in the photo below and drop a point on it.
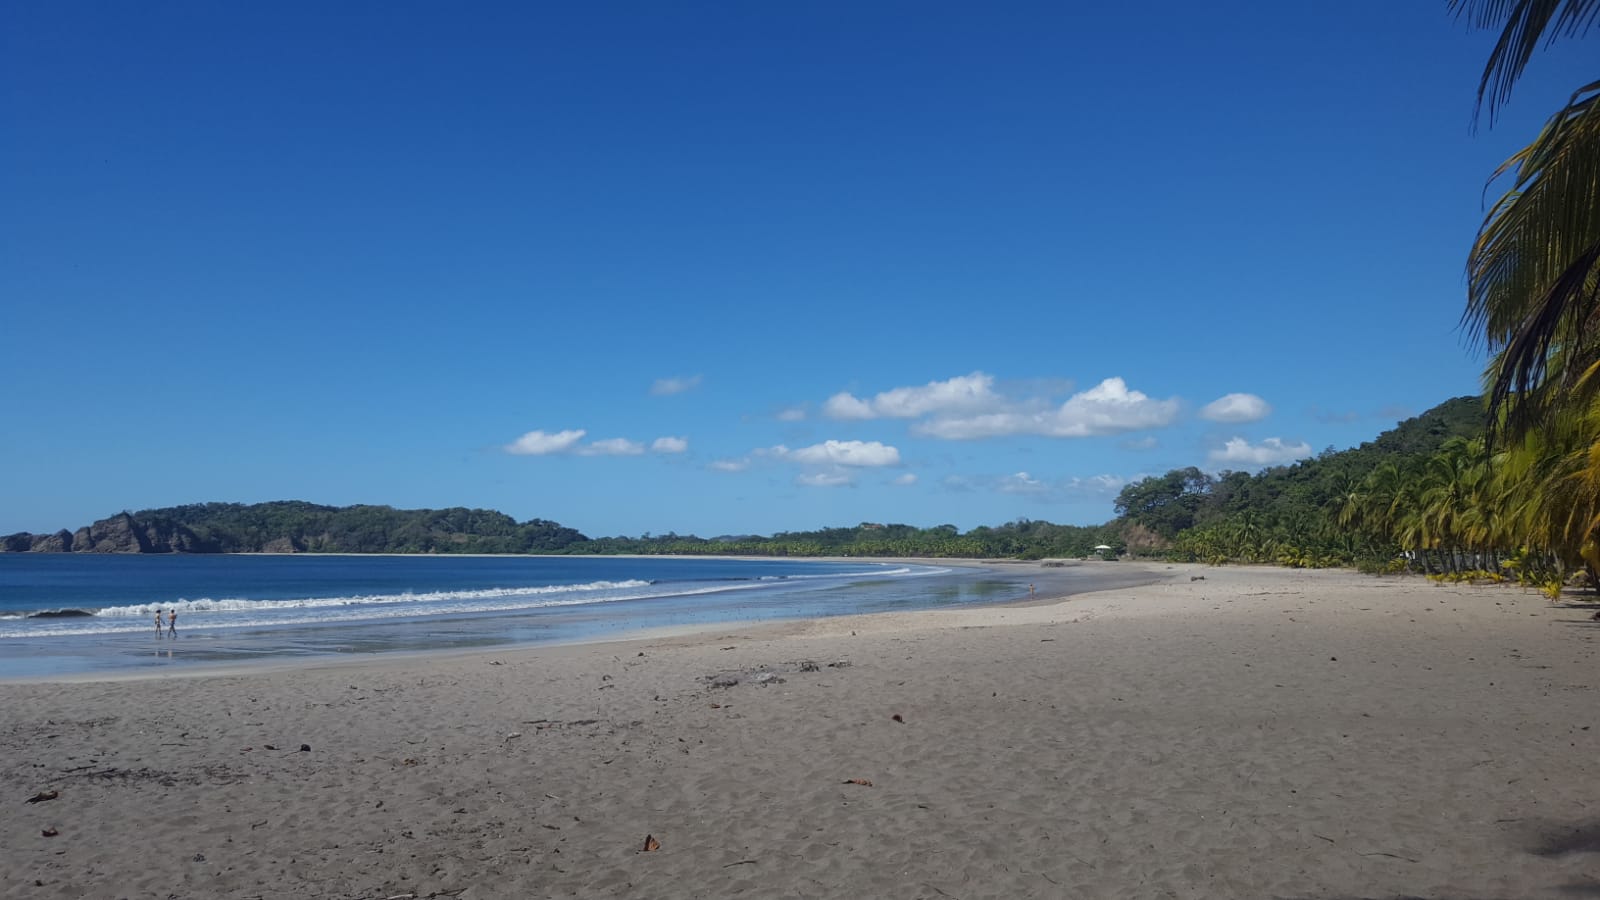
(158, 623)
(172, 622)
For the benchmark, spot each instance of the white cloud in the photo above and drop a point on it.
(1270, 452)
(823, 479)
(666, 387)
(1107, 408)
(1235, 408)
(792, 414)
(841, 453)
(729, 465)
(1021, 483)
(846, 406)
(1148, 442)
(962, 394)
(612, 447)
(669, 445)
(905, 480)
(539, 443)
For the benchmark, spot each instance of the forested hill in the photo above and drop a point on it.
(293, 526)
(1461, 417)
(1309, 513)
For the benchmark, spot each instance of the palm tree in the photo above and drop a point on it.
(1533, 277)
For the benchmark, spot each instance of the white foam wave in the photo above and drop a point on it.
(244, 604)
(232, 613)
(326, 615)
(903, 570)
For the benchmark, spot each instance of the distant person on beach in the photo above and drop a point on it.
(1030, 591)
(158, 623)
(172, 622)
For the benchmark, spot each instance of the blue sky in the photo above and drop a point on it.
(725, 268)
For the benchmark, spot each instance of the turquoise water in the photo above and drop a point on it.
(74, 613)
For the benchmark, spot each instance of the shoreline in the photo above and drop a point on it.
(213, 652)
(1248, 733)
(1146, 572)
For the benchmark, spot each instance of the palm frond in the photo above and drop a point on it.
(1533, 277)
(1523, 24)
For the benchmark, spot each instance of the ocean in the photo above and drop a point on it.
(67, 614)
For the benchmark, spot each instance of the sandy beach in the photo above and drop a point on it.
(1226, 732)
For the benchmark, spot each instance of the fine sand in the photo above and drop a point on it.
(1226, 732)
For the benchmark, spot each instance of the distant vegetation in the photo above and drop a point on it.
(1022, 539)
(296, 527)
(1419, 487)
(293, 526)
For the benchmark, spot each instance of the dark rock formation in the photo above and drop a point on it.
(60, 542)
(118, 534)
(167, 536)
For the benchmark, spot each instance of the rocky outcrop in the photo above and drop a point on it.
(121, 533)
(60, 542)
(282, 545)
(167, 536)
(118, 534)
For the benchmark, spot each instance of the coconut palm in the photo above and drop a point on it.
(1533, 285)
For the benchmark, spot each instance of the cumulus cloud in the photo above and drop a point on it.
(1235, 408)
(1107, 408)
(612, 447)
(666, 387)
(823, 479)
(1270, 452)
(841, 453)
(545, 443)
(905, 480)
(962, 394)
(729, 465)
(669, 445)
(846, 406)
(540, 443)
